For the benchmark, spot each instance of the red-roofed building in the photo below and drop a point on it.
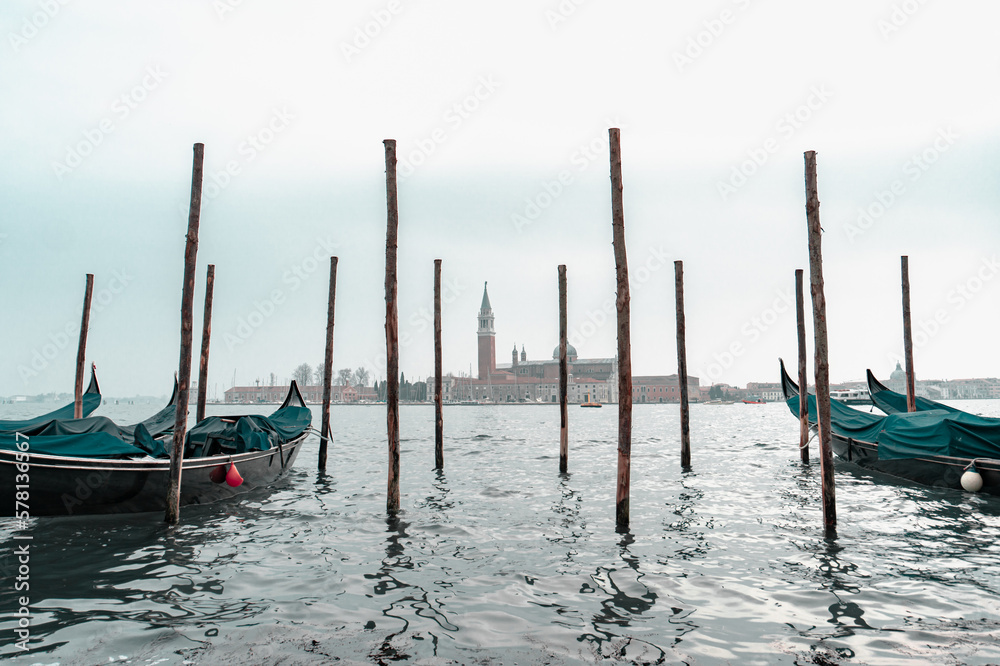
(593, 380)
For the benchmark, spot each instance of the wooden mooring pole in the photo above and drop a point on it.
(800, 321)
(624, 345)
(206, 337)
(911, 392)
(81, 350)
(187, 310)
(563, 376)
(682, 367)
(391, 328)
(324, 432)
(822, 362)
(438, 381)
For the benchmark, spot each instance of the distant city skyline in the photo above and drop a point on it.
(504, 175)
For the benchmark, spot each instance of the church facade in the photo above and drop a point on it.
(537, 381)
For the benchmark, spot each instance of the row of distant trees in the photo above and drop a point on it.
(308, 376)
(416, 391)
(358, 377)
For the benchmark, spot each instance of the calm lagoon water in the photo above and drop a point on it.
(499, 559)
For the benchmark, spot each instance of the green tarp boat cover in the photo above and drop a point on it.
(91, 401)
(58, 433)
(935, 432)
(81, 445)
(141, 435)
(892, 402)
(237, 434)
(100, 437)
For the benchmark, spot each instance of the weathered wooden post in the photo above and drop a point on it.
(800, 321)
(624, 344)
(438, 381)
(206, 336)
(324, 433)
(563, 376)
(391, 327)
(911, 392)
(81, 350)
(822, 361)
(187, 308)
(682, 366)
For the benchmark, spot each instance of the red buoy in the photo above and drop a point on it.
(218, 474)
(233, 477)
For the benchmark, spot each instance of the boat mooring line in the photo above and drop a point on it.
(319, 434)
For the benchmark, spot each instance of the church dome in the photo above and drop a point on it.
(570, 352)
(898, 374)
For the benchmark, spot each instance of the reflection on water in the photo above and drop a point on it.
(571, 525)
(682, 523)
(501, 559)
(394, 560)
(625, 599)
(438, 499)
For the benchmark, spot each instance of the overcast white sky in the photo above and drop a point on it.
(492, 104)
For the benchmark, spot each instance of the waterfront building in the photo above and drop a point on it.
(537, 381)
(249, 395)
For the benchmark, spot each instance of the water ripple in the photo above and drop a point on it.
(500, 559)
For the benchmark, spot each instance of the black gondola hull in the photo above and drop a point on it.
(933, 471)
(62, 486)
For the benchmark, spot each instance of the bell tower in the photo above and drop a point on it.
(487, 338)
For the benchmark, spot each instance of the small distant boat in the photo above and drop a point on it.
(591, 404)
(852, 396)
(753, 401)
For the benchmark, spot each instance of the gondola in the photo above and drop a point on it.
(91, 400)
(147, 434)
(891, 402)
(105, 471)
(936, 447)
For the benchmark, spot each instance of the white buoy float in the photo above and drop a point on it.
(972, 480)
